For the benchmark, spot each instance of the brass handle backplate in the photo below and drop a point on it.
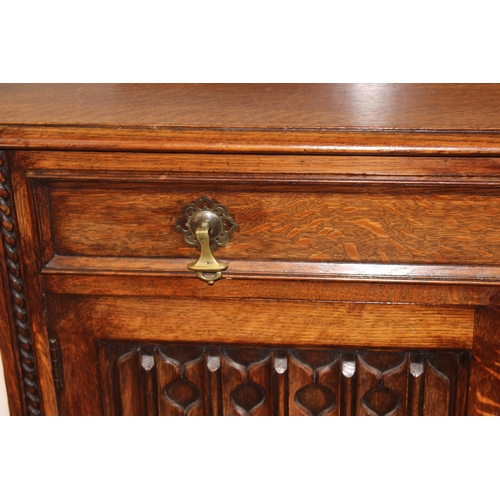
(206, 225)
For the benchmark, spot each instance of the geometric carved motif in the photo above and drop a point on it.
(246, 380)
(314, 382)
(180, 379)
(383, 383)
(16, 287)
(209, 380)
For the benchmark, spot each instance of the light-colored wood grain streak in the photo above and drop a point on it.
(487, 401)
(484, 381)
(274, 322)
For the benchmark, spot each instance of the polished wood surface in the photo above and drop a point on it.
(337, 288)
(341, 106)
(363, 279)
(289, 141)
(62, 265)
(389, 119)
(243, 169)
(254, 321)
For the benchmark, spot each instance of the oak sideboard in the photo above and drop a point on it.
(250, 249)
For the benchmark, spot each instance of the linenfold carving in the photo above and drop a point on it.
(211, 380)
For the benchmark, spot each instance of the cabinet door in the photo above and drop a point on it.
(133, 355)
(196, 379)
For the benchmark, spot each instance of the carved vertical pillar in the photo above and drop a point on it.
(17, 294)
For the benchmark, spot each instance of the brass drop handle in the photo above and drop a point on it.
(206, 225)
(206, 263)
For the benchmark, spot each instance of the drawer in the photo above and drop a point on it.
(303, 226)
(336, 210)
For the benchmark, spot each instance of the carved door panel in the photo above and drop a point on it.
(166, 379)
(129, 356)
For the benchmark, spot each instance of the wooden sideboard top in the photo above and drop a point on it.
(294, 106)
(288, 118)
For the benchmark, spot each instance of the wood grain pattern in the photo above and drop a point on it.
(279, 287)
(312, 381)
(43, 223)
(106, 369)
(143, 167)
(214, 382)
(348, 382)
(280, 382)
(127, 381)
(315, 227)
(31, 264)
(484, 388)
(251, 141)
(344, 106)
(311, 119)
(268, 321)
(130, 391)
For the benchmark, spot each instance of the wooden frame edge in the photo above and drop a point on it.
(17, 310)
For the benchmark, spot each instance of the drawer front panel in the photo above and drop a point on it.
(403, 227)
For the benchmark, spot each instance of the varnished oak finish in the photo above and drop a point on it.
(363, 279)
(264, 321)
(254, 118)
(358, 106)
(352, 227)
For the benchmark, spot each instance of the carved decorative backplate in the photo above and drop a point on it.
(183, 224)
(207, 380)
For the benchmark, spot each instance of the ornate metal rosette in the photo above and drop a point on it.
(183, 224)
